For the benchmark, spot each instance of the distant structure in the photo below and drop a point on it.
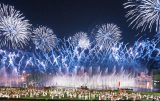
(144, 82)
(156, 79)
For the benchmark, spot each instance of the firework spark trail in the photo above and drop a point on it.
(119, 60)
(143, 14)
(81, 40)
(125, 55)
(44, 39)
(121, 56)
(15, 30)
(107, 35)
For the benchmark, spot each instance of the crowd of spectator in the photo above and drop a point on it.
(73, 93)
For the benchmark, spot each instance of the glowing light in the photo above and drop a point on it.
(44, 38)
(14, 29)
(81, 39)
(108, 35)
(96, 81)
(144, 14)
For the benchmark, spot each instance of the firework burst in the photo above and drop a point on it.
(108, 35)
(144, 14)
(81, 39)
(14, 29)
(44, 38)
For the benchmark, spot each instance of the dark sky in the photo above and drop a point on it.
(67, 17)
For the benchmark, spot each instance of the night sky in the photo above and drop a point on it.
(66, 17)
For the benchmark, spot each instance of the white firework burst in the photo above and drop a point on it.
(144, 14)
(44, 38)
(108, 35)
(81, 40)
(14, 29)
